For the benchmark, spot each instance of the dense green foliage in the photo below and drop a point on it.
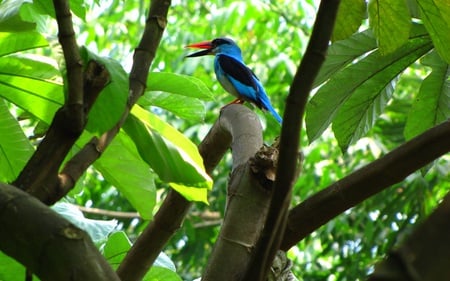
(385, 80)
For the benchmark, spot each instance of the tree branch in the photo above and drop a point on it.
(290, 139)
(46, 243)
(360, 185)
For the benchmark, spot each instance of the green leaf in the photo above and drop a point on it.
(157, 273)
(349, 18)
(391, 22)
(432, 104)
(185, 107)
(11, 270)
(170, 154)
(436, 18)
(13, 42)
(10, 19)
(98, 230)
(343, 52)
(36, 95)
(110, 105)
(374, 72)
(15, 148)
(120, 160)
(359, 113)
(178, 84)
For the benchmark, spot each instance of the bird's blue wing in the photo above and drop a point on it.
(240, 76)
(244, 82)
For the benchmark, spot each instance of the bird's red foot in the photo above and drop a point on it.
(236, 101)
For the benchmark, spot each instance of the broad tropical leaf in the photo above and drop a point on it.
(391, 23)
(170, 154)
(185, 107)
(349, 18)
(178, 84)
(436, 18)
(355, 84)
(15, 148)
(432, 104)
(343, 52)
(120, 160)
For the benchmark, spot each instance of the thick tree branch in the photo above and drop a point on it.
(290, 138)
(411, 260)
(360, 185)
(47, 244)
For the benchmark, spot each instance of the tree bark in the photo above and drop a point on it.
(47, 244)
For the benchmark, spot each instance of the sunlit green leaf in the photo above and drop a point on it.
(10, 19)
(110, 105)
(432, 104)
(356, 82)
(391, 23)
(436, 18)
(182, 106)
(341, 53)
(15, 148)
(120, 160)
(12, 270)
(349, 18)
(178, 84)
(13, 42)
(170, 154)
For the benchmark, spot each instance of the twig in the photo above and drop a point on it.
(289, 141)
(108, 213)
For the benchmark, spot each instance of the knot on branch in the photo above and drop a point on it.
(264, 165)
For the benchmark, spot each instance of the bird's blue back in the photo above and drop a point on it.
(237, 79)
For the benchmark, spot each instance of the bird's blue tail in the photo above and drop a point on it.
(267, 106)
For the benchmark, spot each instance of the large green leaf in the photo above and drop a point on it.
(110, 105)
(349, 18)
(12, 270)
(343, 52)
(178, 84)
(39, 97)
(432, 104)
(185, 107)
(354, 84)
(170, 154)
(15, 149)
(436, 18)
(10, 19)
(391, 22)
(122, 166)
(13, 42)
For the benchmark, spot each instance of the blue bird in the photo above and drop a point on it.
(232, 73)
